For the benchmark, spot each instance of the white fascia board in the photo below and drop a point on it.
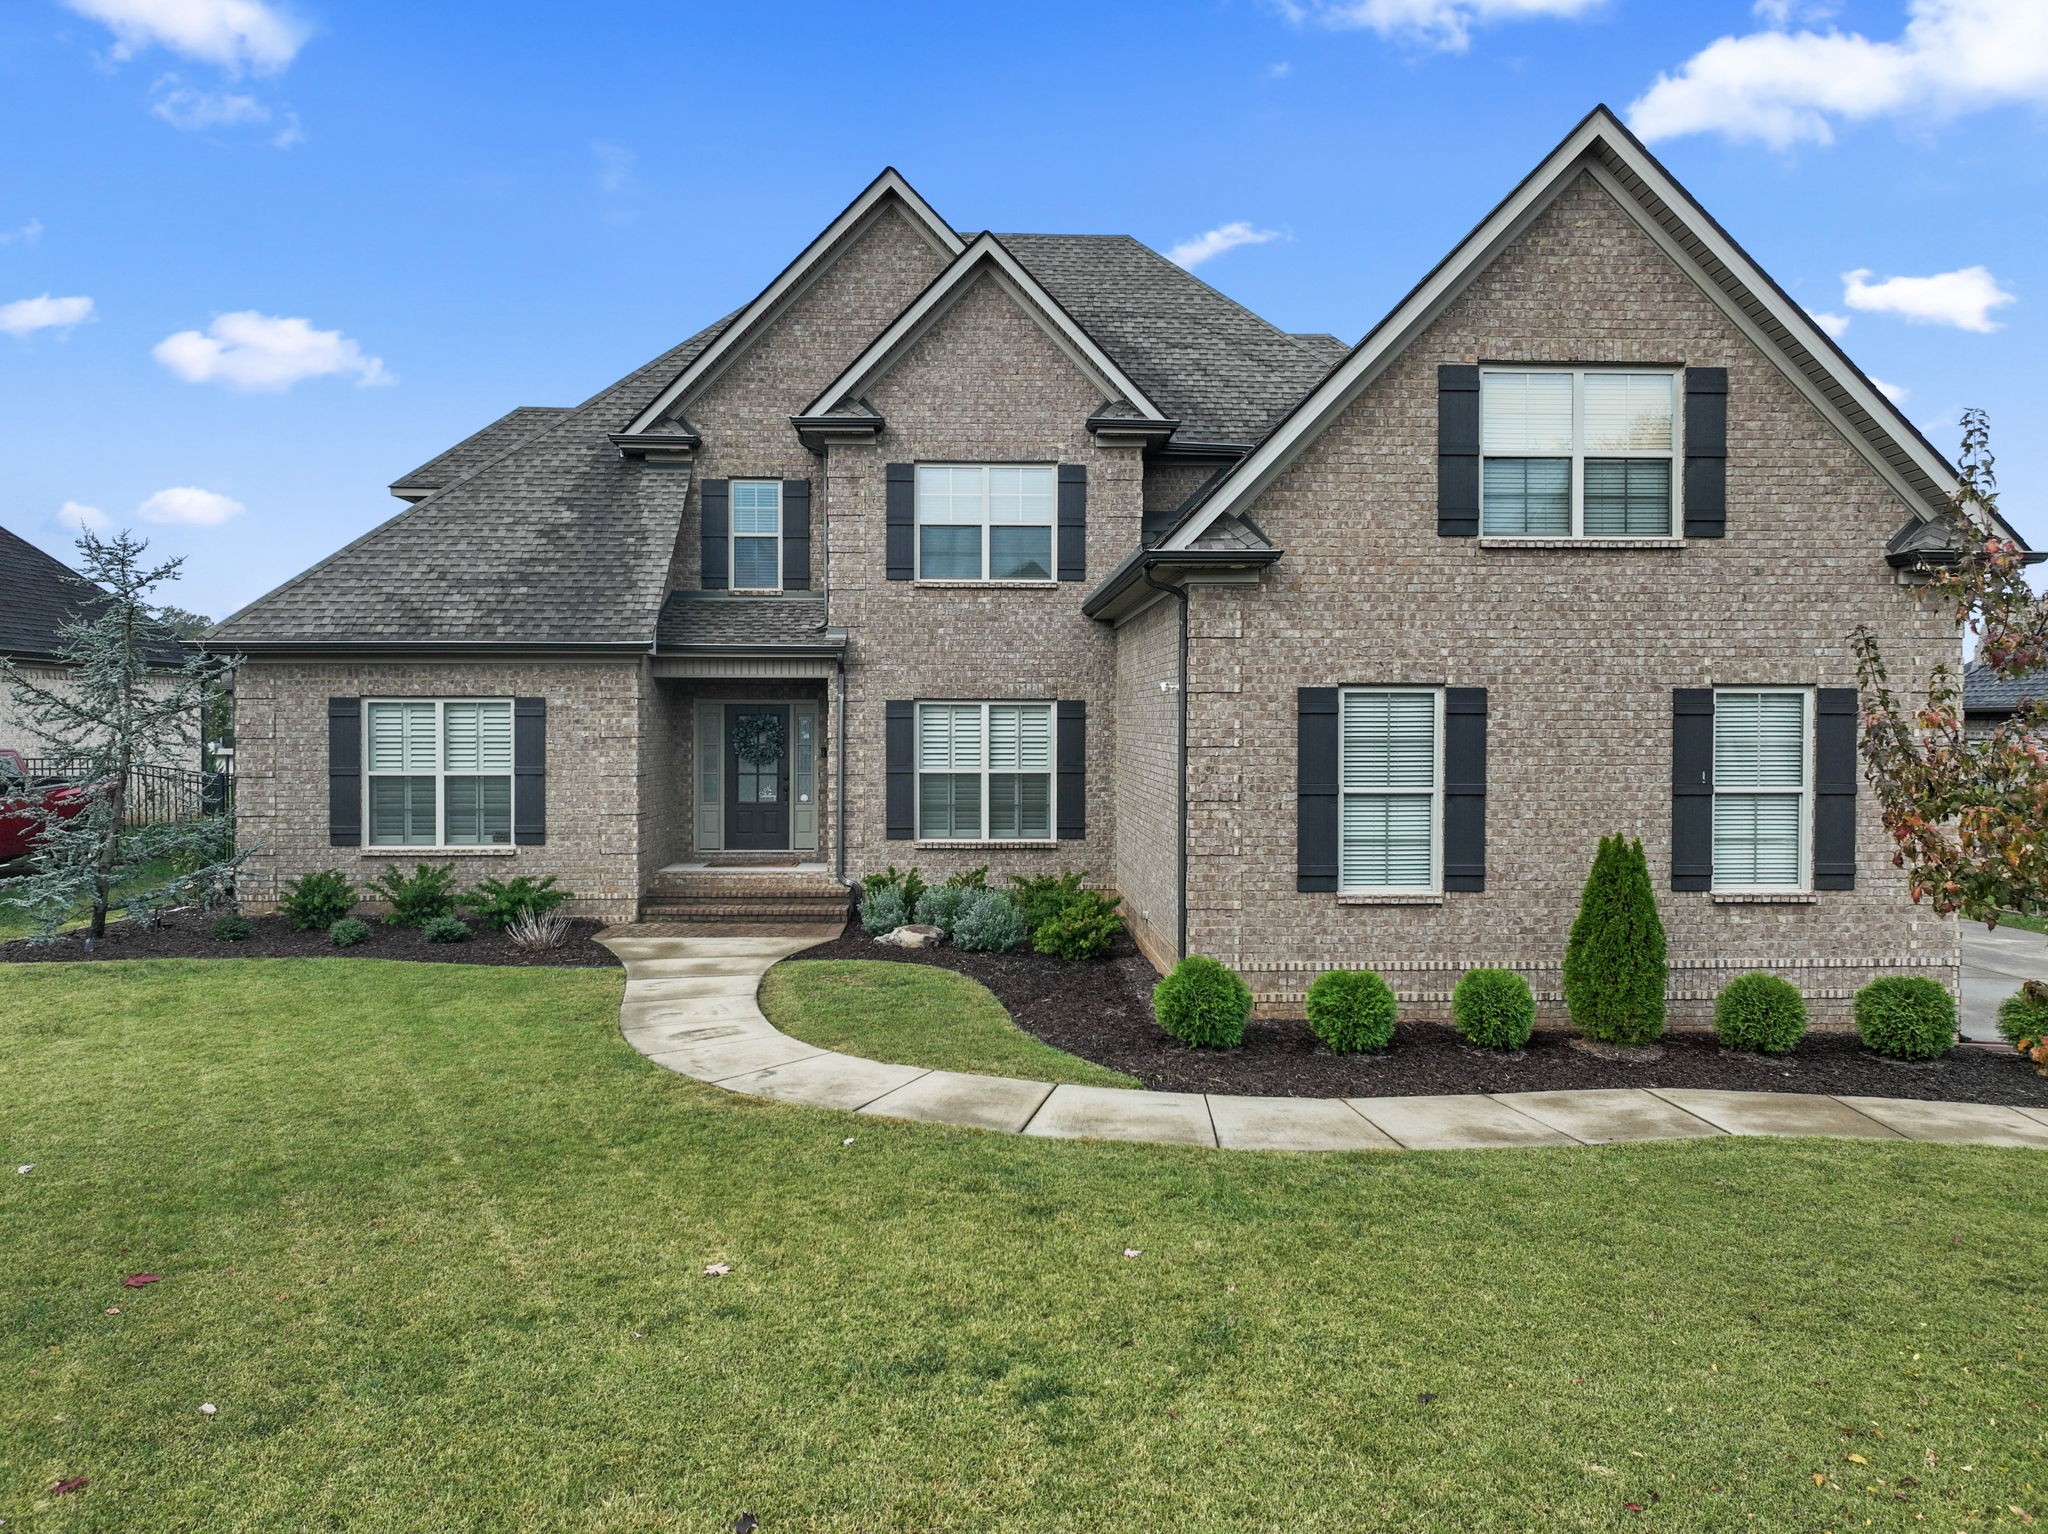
(1600, 131)
(890, 184)
(986, 253)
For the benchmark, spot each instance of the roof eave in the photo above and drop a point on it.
(1105, 603)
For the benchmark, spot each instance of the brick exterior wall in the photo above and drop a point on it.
(1580, 651)
(1148, 777)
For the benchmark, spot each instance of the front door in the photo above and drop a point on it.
(757, 776)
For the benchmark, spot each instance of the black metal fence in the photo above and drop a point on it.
(156, 795)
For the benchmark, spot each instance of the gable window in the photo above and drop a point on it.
(438, 772)
(984, 522)
(1390, 781)
(984, 771)
(1763, 778)
(1577, 453)
(757, 534)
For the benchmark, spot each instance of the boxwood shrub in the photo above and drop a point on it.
(1351, 1010)
(1493, 1008)
(1908, 1017)
(1761, 1013)
(1203, 1002)
(348, 932)
(445, 929)
(2024, 1014)
(231, 929)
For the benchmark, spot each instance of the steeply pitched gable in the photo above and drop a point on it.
(42, 594)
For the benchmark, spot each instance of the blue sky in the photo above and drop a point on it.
(321, 241)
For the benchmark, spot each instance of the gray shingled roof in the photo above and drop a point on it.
(558, 541)
(1208, 362)
(480, 447)
(42, 594)
(692, 618)
(1985, 691)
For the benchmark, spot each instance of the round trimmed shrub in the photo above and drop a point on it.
(989, 922)
(1493, 1008)
(2024, 1014)
(1351, 1010)
(884, 910)
(231, 929)
(1203, 1002)
(348, 932)
(446, 929)
(1761, 1013)
(1908, 1017)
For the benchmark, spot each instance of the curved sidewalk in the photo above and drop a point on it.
(690, 1007)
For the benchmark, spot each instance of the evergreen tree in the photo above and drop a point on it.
(116, 710)
(1614, 960)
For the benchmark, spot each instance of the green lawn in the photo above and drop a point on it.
(432, 1239)
(2023, 921)
(915, 1014)
(16, 922)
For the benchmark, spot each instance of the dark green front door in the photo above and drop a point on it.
(757, 782)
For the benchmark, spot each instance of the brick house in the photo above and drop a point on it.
(1034, 550)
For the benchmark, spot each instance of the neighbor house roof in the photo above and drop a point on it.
(476, 450)
(43, 594)
(1986, 692)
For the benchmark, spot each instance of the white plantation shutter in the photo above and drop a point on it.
(949, 737)
(1020, 737)
(1526, 414)
(402, 738)
(1760, 802)
(478, 736)
(1387, 772)
(1629, 412)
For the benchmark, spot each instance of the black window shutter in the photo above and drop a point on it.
(900, 515)
(899, 751)
(529, 771)
(1073, 535)
(1315, 794)
(712, 523)
(1835, 727)
(344, 772)
(1706, 452)
(1070, 761)
(1692, 788)
(1464, 788)
(796, 535)
(1457, 451)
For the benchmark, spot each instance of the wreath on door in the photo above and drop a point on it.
(758, 739)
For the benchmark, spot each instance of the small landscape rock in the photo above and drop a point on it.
(208, 1409)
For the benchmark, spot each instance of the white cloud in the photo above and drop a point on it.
(1279, 71)
(189, 506)
(1896, 393)
(1782, 13)
(615, 165)
(1833, 324)
(26, 234)
(1963, 298)
(81, 518)
(248, 350)
(191, 110)
(1784, 88)
(234, 34)
(25, 316)
(1189, 254)
(1439, 23)
(288, 134)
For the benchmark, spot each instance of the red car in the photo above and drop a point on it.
(20, 795)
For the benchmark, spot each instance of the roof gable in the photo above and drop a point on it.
(1600, 146)
(44, 594)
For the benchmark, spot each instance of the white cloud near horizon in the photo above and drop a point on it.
(25, 316)
(1445, 24)
(1189, 254)
(1833, 324)
(235, 35)
(81, 518)
(1782, 87)
(1962, 298)
(253, 351)
(189, 506)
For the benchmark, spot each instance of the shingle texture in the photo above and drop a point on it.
(1984, 689)
(692, 618)
(480, 447)
(38, 594)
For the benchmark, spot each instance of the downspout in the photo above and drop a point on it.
(1180, 778)
(839, 749)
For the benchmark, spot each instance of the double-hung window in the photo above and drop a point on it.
(1763, 782)
(984, 522)
(1390, 780)
(1577, 453)
(438, 772)
(757, 534)
(984, 771)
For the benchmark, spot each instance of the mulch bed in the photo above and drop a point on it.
(185, 935)
(1103, 1012)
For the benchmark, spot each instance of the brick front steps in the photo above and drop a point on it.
(694, 893)
(690, 1008)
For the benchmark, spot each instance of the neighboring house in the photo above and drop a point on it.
(1035, 551)
(1990, 699)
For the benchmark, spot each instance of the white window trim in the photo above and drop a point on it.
(1805, 884)
(440, 774)
(1579, 455)
(1419, 892)
(917, 526)
(733, 536)
(1052, 772)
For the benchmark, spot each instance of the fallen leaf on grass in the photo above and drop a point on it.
(1631, 1507)
(65, 1488)
(138, 1280)
(717, 1269)
(1132, 1251)
(113, 1310)
(1857, 1459)
(23, 1171)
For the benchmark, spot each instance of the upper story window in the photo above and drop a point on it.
(984, 522)
(757, 535)
(438, 772)
(1390, 779)
(1763, 780)
(984, 771)
(1577, 453)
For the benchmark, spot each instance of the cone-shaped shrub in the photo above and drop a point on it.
(1351, 1010)
(1203, 1002)
(1614, 961)
(1493, 1008)
(1761, 1013)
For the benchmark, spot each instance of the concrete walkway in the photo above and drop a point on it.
(1994, 965)
(690, 1007)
